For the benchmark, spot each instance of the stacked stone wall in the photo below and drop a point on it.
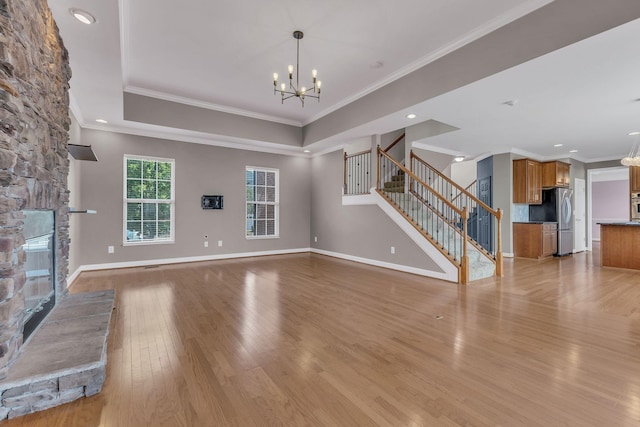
(34, 124)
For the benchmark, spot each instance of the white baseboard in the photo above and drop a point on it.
(145, 263)
(72, 277)
(508, 255)
(398, 267)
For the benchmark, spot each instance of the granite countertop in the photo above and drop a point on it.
(632, 224)
(535, 222)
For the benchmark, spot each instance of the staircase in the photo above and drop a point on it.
(441, 215)
(396, 185)
(448, 238)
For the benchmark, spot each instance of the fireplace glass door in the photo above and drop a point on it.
(39, 293)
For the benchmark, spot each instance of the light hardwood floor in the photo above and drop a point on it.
(311, 340)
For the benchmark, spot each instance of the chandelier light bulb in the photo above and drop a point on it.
(275, 77)
(314, 73)
(282, 87)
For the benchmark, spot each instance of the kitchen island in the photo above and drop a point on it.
(620, 245)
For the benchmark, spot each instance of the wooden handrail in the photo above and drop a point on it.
(398, 139)
(450, 181)
(461, 212)
(348, 156)
(466, 189)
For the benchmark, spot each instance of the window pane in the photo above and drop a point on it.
(260, 228)
(164, 190)
(134, 211)
(251, 177)
(271, 179)
(148, 189)
(164, 171)
(271, 211)
(134, 189)
(271, 194)
(260, 194)
(271, 227)
(251, 194)
(164, 229)
(134, 230)
(149, 230)
(149, 170)
(164, 211)
(250, 226)
(261, 212)
(149, 211)
(134, 168)
(260, 178)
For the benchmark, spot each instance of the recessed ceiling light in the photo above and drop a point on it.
(459, 158)
(573, 151)
(634, 133)
(103, 121)
(411, 116)
(557, 145)
(306, 151)
(82, 16)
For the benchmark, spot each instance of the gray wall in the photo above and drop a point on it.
(503, 195)
(200, 169)
(363, 231)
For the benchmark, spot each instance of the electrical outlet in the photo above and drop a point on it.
(206, 244)
(219, 243)
(111, 249)
(393, 249)
(315, 239)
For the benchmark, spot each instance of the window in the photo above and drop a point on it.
(149, 193)
(262, 203)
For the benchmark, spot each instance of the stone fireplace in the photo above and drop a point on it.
(34, 124)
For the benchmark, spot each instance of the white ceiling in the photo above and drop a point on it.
(222, 55)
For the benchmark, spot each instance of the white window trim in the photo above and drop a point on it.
(172, 202)
(276, 204)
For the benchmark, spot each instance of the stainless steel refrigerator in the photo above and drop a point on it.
(556, 207)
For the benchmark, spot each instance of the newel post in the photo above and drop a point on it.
(345, 173)
(464, 270)
(499, 270)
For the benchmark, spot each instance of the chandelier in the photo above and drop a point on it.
(300, 92)
(633, 159)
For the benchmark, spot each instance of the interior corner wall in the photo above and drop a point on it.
(363, 231)
(199, 169)
(503, 195)
(73, 185)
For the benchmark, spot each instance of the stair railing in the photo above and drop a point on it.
(461, 198)
(357, 173)
(393, 144)
(435, 217)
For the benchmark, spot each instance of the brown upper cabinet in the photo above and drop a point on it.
(527, 182)
(555, 174)
(634, 179)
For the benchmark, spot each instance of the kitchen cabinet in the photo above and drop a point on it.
(527, 181)
(535, 240)
(634, 179)
(555, 174)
